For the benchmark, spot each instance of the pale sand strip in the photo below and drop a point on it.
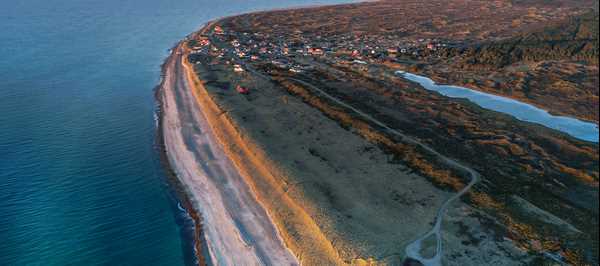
(237, 229)
(299, 231)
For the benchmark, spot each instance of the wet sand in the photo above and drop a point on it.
(199, 243)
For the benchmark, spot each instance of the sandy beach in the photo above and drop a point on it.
(234, 222)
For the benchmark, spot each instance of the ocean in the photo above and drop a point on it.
(81, 182)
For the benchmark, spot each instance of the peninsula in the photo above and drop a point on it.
(301, 137)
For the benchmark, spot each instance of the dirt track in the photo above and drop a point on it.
(413, 250)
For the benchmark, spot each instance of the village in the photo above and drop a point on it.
(290, 53)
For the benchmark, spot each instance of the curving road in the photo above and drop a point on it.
(413, 250)
(237, 229)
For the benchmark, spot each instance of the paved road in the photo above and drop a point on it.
(237, 228)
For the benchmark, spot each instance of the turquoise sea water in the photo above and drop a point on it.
(80, 179)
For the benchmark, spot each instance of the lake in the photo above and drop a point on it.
(523, 111)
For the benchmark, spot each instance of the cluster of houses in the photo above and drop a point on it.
(235, 49)
(281, 49)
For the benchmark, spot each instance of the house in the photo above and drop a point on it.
(315, 51)
(242, 90)
(218, 30)
(204, 42)
(238, 68)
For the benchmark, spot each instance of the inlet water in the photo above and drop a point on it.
(80, 181)
(526, 112)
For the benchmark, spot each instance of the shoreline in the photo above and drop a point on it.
(177, 186)
(235, 222)
(200, 245)
(249, 160)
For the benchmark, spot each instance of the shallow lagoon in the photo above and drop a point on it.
(523, 111)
